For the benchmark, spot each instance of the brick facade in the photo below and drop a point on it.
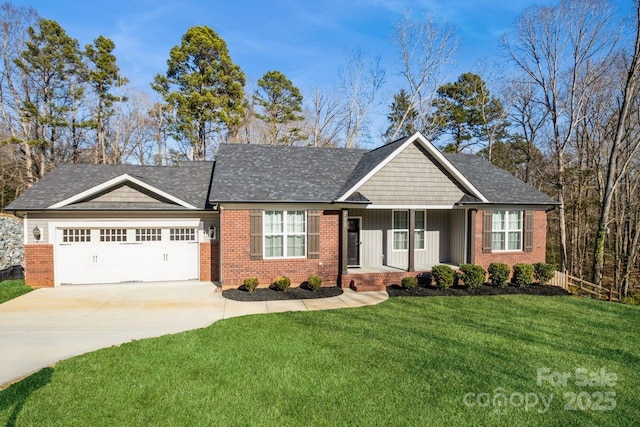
(38, 265)
(210, 261)
(538, 254)
(237, 264)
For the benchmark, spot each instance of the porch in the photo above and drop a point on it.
(382, 246)
(377, 278)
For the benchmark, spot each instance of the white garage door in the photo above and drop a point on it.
(125, 254)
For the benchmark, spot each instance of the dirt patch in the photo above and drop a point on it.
(484, 290)
(271, 294)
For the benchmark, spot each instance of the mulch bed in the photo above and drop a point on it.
(484, 290)
(271, 294)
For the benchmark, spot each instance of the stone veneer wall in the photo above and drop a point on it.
(11, 241)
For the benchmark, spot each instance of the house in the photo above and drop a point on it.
(353, 217)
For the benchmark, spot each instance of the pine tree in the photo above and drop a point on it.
(103, 76)
(281, 104)
(205, 89)
(402, 116)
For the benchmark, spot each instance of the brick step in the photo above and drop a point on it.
(368, 285)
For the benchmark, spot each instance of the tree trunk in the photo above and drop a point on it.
(613, 174)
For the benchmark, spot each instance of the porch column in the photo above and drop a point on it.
(344, 240)
(411, 239)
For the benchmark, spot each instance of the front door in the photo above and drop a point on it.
(353, 242)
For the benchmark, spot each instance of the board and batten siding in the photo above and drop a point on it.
(458, 248)
(444, 239)
(412, 177)
(373, 231)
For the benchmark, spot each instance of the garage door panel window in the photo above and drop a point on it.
(76, 235)
(148, 235)
(113, 235)
(182, 234)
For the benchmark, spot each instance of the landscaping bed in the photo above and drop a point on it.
(271, 294)
(484, 290)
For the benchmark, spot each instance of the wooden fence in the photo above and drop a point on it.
(574, 284)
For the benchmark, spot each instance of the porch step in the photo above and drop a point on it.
(368, 285)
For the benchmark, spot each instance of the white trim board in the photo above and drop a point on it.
(114, 182)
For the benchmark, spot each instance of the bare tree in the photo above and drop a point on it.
(425, 47)
(14, 86)
(623, 149)
(360, 81)
(325, 120)
(563, 51)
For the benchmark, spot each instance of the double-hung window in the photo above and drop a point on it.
(506, 230)
(400, 230)
(285, 234)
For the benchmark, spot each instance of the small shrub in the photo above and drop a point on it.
(543, 272)
(457, 277)
(314, 283)
(282, 283)
(499, 273)
(443, 276)
(473, 275)
(251, 283)
(522, 274)
(409, 282)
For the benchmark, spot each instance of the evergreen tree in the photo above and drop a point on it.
(402, 116)
(53, 65)
(205, 89)
(466, 111)
(103, 76)
(281, 103)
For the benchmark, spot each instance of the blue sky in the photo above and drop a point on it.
(306, 40)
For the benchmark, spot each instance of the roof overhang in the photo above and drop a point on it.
(431, 149)
(124, 178)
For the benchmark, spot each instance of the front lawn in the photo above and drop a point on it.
(10, 289)
(407, 361)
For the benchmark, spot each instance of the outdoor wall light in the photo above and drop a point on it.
(213, 232)
(37, 233)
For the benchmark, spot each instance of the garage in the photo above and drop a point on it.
(92, 253)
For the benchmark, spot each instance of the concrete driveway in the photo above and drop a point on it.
(48, 325)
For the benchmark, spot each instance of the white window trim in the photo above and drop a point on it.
(284, 235)
(393, 231)
(507, 230)
(424, 230)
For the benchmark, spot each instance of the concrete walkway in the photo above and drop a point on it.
(48, 325)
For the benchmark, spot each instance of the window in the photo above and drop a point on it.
(74, 235)
(285, 234)
(182, 234)
(506, 231)
(113, 235)
(148, 235)
(420, 227)
(400, 230)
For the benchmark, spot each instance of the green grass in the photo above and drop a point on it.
(408, 361)
(10, 289)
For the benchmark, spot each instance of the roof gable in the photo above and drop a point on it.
(376, 160)
(116, 182)
(74, 186)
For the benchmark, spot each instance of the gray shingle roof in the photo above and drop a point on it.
(188, 182)
(263, 173)
(495, 184)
